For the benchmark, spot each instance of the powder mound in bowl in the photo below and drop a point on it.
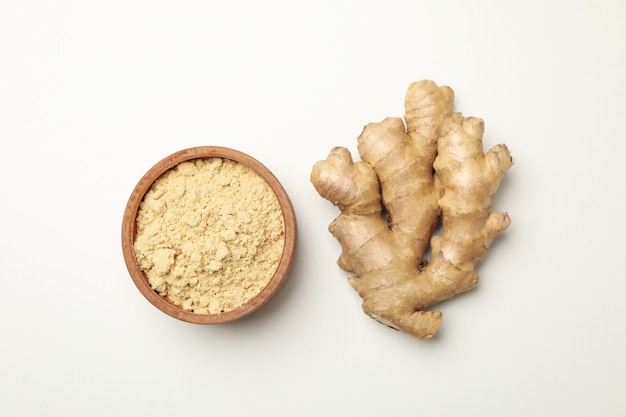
(209, 235)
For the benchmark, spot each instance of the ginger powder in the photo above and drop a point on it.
(210, 235)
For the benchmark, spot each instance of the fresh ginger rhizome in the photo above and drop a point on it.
(414, 173)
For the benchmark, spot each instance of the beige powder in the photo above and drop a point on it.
(210, 235)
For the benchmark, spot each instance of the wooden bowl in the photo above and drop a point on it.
(129, 230)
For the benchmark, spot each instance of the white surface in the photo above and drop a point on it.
(93, 93)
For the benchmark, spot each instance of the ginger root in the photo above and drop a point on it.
(413, 175)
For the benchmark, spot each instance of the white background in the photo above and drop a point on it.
(92, 94)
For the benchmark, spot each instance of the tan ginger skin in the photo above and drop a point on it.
(392, 201)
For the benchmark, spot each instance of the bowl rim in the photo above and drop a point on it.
(129, 231)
